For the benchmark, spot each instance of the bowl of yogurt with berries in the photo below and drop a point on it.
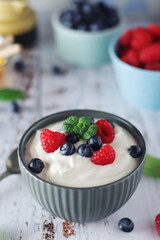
(83, 31)
(82, 165)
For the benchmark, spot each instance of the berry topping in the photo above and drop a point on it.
(85, 150)
(157, 223)
(155, 30)
(105, 155)
(51, 141)
(105, 131)
(19, 66)
(36, 165)
(111, 123)
(126, 38)
(15, 107)
(72, 137)
(126, 225)
(135, 151)
(91, 120)
(95, 143)
(67, 149)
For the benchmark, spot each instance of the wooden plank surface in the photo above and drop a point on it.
(21, 217)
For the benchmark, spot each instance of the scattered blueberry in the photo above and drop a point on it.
(91, 120)
(86, 16)
(95, 143)
(85, 150)
(67, 149)
(135, 151)
(72, 137)
(126, 225)
(15, 107)
(57, 70)
(111, 123)
(20, 66)
(36, 165)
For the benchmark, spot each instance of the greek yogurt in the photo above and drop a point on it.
(77, 171)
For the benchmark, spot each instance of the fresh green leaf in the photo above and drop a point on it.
(8, 94)
(84, 120)
(90, 132)
(152, 166)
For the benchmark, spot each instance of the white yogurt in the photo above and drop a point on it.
(77, 171)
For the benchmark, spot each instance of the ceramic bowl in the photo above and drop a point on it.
(86, 204)
(81, 48)
(139, 87)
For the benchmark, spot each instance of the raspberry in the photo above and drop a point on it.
(157, 223)
(141, 38)
(126, 38)
(153, 66)
(105, 131)
(151, 53)
(154, 30)
(105, 155)
(131, 58)
(51, 141)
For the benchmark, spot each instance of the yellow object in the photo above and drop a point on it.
(16, 17)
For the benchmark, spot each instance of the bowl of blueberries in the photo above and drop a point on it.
(83, 32)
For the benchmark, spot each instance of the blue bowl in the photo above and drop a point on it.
(83, 49)
(139, 87)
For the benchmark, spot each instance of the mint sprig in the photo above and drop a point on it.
(81, 126)
(152, 166)
(8, 94)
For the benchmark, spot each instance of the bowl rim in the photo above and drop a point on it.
(36, 177)
(56, 23)
(113, 56)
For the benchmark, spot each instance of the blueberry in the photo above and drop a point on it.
(85, 150)
(135, 151)
(19, 66)
(86, 8)
(67, 149)
(66, 19)
(15, 107)
(36, 165)
(126, 225)
(93, 27)
(72, 137)
(111, 123)
(95, 143)
(91, 120)
(57, 70)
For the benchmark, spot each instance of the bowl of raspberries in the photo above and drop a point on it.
(83, 32)
(136, 61)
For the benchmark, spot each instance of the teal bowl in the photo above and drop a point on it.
(83, 49)
(86, 204)
(139, 87)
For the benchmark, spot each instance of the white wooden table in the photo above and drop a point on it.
(21, 217)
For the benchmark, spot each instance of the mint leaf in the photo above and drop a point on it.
(84, 120)
(92, 130)
(68, 127)
(8, 94)
(152, 166)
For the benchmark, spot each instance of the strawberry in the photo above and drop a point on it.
(141, 38)
(105, 131)
(131, 58)
(105, 155)
(153, 66)
(154, 30)
(151, 53)
(157, 223)
(126, 38)
(51, 141)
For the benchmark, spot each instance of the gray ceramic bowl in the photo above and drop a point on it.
(81, 204)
